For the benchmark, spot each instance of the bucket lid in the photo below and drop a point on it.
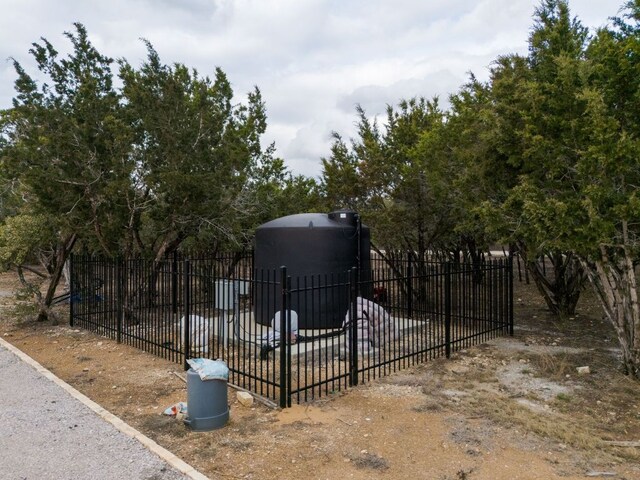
(209, 369)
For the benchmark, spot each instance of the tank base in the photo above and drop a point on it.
(205, 424)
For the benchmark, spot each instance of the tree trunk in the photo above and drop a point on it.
(560, 288)
(389, 261)
(144, 294)
(237, 256)
(614, 279)
(396, 266)
(477, 259)
(63, 251)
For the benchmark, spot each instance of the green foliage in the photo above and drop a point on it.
(538, 134)
(191, 148)
(201, 172)
(538, 140)
(340, 184)
(578, 172)
(568, 123)
(472, 150)
(401, 179)
(24, 237)
(66, 143)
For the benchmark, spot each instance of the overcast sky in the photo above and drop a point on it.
(313, 60)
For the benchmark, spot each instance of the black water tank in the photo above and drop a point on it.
(318, 250)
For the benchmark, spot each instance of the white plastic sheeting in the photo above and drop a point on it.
(199, 333)
(272, 338)
(374, 325)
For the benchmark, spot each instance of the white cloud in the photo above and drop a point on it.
(375, 98)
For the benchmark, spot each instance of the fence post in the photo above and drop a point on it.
(510, 293)
(410, 288)
(120, 279)
(174, 283)
(447, 309)
(493, 295)
(353, 328)
(71, 288)
(284, 316)
(187, 307)
(289, 343)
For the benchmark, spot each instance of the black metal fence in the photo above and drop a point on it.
(335, 330)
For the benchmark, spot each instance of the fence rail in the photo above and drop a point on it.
(289, 338)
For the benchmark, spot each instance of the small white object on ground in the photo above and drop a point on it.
(245, 398)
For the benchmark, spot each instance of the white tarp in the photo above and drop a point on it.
(272, 338)
(198, 333)
(374, 325)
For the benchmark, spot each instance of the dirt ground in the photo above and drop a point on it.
(515, 408)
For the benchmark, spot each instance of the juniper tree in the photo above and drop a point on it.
(538, 111)
(66, 146)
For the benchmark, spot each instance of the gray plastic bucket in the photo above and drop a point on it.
(207, 406)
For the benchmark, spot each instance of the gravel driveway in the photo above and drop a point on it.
(45, 433)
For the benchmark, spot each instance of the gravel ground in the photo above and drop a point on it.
(45, 433)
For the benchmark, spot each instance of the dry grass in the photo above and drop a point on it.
(370, 461)
(555, 367)
(560, 427)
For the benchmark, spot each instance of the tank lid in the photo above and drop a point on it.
(350, 217)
